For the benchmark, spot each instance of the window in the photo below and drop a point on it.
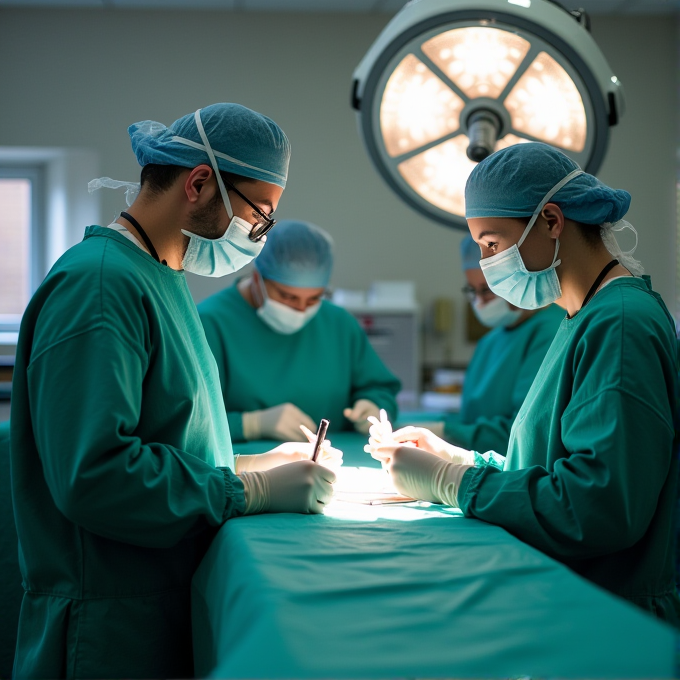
(21, 241)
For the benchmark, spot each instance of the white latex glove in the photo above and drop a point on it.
(359, 413)
(419, 474)
(381, 434)
(278, 422)
(302, 487)
(290, 452)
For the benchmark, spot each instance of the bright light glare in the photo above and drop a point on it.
(546, 104)
(416, 108)
(509, 140)
(402, 513)
(479, 60)
(439, 174)
(521, 3)
(370, 482)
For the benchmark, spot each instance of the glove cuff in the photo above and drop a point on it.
(447, 481)
(244, 463)
(252, 425)
(256, 488)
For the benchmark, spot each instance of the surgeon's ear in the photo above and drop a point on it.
(554, 217)
(197, 181)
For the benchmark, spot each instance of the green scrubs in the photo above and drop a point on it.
(121, 465)
(11, 591)
(591, 472)
(322, 369)
(498, 378)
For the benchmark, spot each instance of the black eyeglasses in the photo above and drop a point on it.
(261, 227)
(471, 292)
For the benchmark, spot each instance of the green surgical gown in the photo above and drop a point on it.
(11, 591)
(121, 465)
(591, 472)
(498, 378)
(322, 369)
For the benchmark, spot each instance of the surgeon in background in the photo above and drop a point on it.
(503, 366)
(286, 356)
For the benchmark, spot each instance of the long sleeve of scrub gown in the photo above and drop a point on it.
(591, 474)
(322, 369)
(497, 380)
(121, 465)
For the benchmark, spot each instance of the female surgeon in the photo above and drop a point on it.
(590, 473)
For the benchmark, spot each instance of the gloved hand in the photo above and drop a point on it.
(290, 452)
(303, 487)
(278, 422)
(359, 413)
(381, 433)
(419, 474)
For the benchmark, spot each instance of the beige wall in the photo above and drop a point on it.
(80, 77)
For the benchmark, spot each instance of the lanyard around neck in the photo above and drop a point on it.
(143, 234)
(598, 281)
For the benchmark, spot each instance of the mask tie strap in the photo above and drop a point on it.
(541, 205)
(213, 162)
(621, 225)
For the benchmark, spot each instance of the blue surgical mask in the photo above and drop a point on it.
(496, 313)
(282, 318)
(227, 254)
(224, 255)
(507, 275)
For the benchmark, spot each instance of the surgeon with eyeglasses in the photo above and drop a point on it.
(122, 462)
(287, 356)
(591, 471)
(503, 366)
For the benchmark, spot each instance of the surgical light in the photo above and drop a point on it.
(448, 82)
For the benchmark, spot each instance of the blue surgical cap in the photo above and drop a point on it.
(244, 142)
(297, 254)
(512, 182)
(469, 253)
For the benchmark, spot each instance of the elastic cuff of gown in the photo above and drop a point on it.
(469, 486)
(235, 504)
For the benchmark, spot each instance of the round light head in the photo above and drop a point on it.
(450, 81)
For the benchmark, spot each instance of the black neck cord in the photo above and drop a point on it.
(143, 234)
(598, 281)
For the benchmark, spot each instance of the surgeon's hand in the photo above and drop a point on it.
(303, 487)
(359, 413)
(381, 433)
(290, 452)
(278, 422)
(419, 474)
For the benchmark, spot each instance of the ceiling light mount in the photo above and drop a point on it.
(448, 82)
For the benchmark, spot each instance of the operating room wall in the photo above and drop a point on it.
(78, 78)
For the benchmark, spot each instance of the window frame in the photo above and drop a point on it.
(35, 173)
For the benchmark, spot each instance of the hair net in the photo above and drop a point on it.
(513, 181)
(244, 142)
(469, 253)
(297, 254)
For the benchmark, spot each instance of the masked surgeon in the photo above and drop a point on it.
(590, 474)
(122, 464)
(288, 357)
